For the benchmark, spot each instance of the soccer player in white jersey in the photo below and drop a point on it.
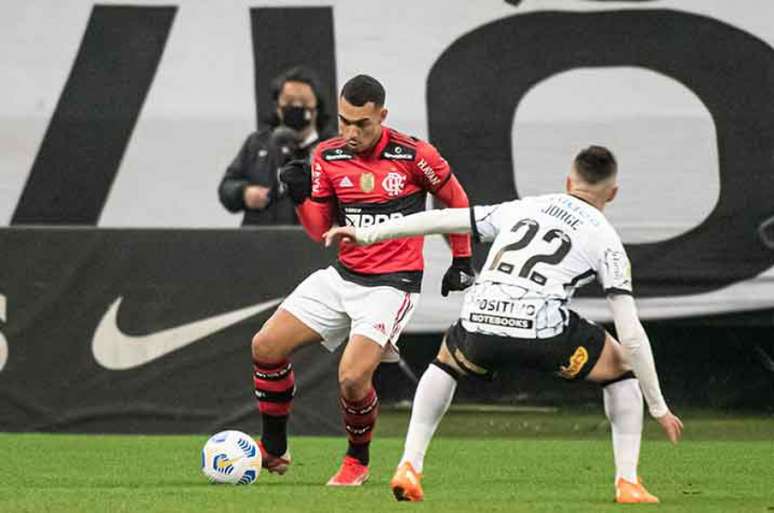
(517, 315)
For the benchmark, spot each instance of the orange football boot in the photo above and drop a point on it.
(351, 473)
(406, 483)
(627, 492)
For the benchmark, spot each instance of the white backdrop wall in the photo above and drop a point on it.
(201, 105)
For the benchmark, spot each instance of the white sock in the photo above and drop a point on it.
(431, 400)
(623, 407)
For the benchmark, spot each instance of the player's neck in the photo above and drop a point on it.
(589, 197)
(374, 143)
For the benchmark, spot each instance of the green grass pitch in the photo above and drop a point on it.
(515, 462)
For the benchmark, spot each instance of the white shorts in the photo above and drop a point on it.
(337, 309)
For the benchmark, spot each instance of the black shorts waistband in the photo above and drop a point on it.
(406, 281)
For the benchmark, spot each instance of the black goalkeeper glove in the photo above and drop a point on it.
(459, 276)
(297, 177)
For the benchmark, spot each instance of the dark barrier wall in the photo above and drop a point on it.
(149, 331)
(700, 366)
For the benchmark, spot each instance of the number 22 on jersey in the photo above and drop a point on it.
(553, 246)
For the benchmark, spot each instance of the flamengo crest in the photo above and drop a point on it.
(393, 183)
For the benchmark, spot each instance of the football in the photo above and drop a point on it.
(231, 457)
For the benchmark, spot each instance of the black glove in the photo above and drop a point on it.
(297, 177)
(459, 276)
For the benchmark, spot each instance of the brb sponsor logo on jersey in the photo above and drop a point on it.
(355, 216)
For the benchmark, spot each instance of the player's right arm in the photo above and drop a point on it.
(483, 222)
(316, 217)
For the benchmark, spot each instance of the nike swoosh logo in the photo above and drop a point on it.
(3, 341)
(116, 350)
(3, 351)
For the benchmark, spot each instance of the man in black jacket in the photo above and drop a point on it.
(295, 127)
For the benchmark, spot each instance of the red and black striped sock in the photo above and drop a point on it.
(275, 385)
(359, 421)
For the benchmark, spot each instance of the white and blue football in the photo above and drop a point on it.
(231, 457)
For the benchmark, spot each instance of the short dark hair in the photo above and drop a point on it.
(306, 76)
(595, 164)
(362, 89)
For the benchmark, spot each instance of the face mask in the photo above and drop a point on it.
(296, 117)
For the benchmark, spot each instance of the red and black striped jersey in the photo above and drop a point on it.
(389, 181)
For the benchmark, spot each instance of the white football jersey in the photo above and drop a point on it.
(544, 248)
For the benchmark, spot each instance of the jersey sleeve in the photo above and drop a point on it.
(486, 221)
(431, 170)
(322, 188)
(614, 270)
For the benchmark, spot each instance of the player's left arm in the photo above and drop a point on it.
(436, 176)
(434, 172)
(614, 273)
(638, 353)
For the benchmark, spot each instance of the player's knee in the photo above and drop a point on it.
(263, 348)
(445, 358)
(354, 384)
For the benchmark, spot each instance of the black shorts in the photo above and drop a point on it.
(570, 355)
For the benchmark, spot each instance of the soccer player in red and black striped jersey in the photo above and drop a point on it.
(368, 174)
